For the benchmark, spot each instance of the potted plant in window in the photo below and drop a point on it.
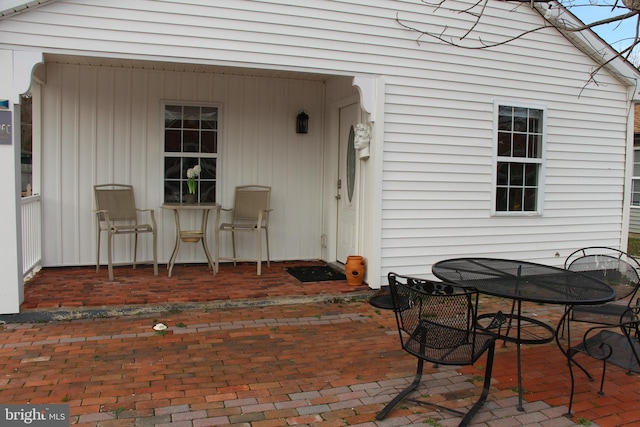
(192, 174)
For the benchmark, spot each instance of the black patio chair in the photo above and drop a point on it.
(618, 345)
(437, 323)
(620, 271)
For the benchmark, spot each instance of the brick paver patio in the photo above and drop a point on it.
(272, 360)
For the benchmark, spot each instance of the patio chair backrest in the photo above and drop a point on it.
(249, 200)
(118, 200)
(436, 320)
(612, 266)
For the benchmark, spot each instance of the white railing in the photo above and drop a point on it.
(31, 234)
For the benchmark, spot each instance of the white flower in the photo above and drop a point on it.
(197, 169)
(160, 327)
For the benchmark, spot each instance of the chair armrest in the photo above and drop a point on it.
(105, 216)
(152, 213)
(596, 338)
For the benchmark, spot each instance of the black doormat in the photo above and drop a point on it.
(316, 273)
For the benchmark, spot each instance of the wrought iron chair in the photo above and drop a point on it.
(437, 323)
(620, 271)
(618, 345)
(250, 213)
(117, 214)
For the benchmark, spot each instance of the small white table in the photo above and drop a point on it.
(193, 236)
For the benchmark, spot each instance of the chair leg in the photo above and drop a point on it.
(155, 253)
(110, 256)
(416, 382)
(604, 372)
(259, 251)
(485, 388)
(98, 250)
(233, 245)
(266, 235)
(135, 251)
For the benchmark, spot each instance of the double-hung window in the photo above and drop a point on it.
(635, 182)
(190, 138)
(519, 148)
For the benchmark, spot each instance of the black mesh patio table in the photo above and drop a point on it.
(524, 281)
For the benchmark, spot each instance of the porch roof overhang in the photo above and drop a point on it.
(192, 67)
(11, 7)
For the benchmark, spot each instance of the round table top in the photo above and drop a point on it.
(524, 281)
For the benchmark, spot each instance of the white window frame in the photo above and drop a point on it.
(216, 155)
(540, 161)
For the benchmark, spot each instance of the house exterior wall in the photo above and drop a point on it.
(108, 128)
(436, 137)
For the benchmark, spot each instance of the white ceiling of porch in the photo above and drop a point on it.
(181, 67)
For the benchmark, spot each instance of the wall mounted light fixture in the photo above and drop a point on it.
(302, 122)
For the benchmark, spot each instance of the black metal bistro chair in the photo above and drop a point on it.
(616, 268)
(437, 323)
(618, 345)
(620, 271)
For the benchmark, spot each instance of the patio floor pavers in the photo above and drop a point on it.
(333, 362)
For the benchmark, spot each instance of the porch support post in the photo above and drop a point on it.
(15, 78)
(372, 100)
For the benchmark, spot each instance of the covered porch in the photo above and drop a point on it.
(58, 292)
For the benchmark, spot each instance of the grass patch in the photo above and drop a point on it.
(633, 247)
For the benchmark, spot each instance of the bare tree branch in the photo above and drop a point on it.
(477, 11)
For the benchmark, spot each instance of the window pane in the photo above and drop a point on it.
(207, 192)
(519, 145)
(209, 142)
(535, 145)
(208, 168)
(209, 118)
(635, 192)
(515, 199)
(531, 175)
(173, 116)
(172, 191)
(535, 121)
(504, 144)
(501, 199)
(172, 141)
(530, 200)
(636, 162)
(172, 167)
(191, 118)
(520, 119)
(503, 173)
(504, 118)
(191, 141)
(516, 174)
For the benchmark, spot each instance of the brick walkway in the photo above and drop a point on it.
(324, 363)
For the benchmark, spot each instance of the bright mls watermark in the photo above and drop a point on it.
(34, 415)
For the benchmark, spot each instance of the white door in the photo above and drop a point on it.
(347, 184)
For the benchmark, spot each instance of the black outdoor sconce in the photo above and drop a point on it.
(302, 122)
